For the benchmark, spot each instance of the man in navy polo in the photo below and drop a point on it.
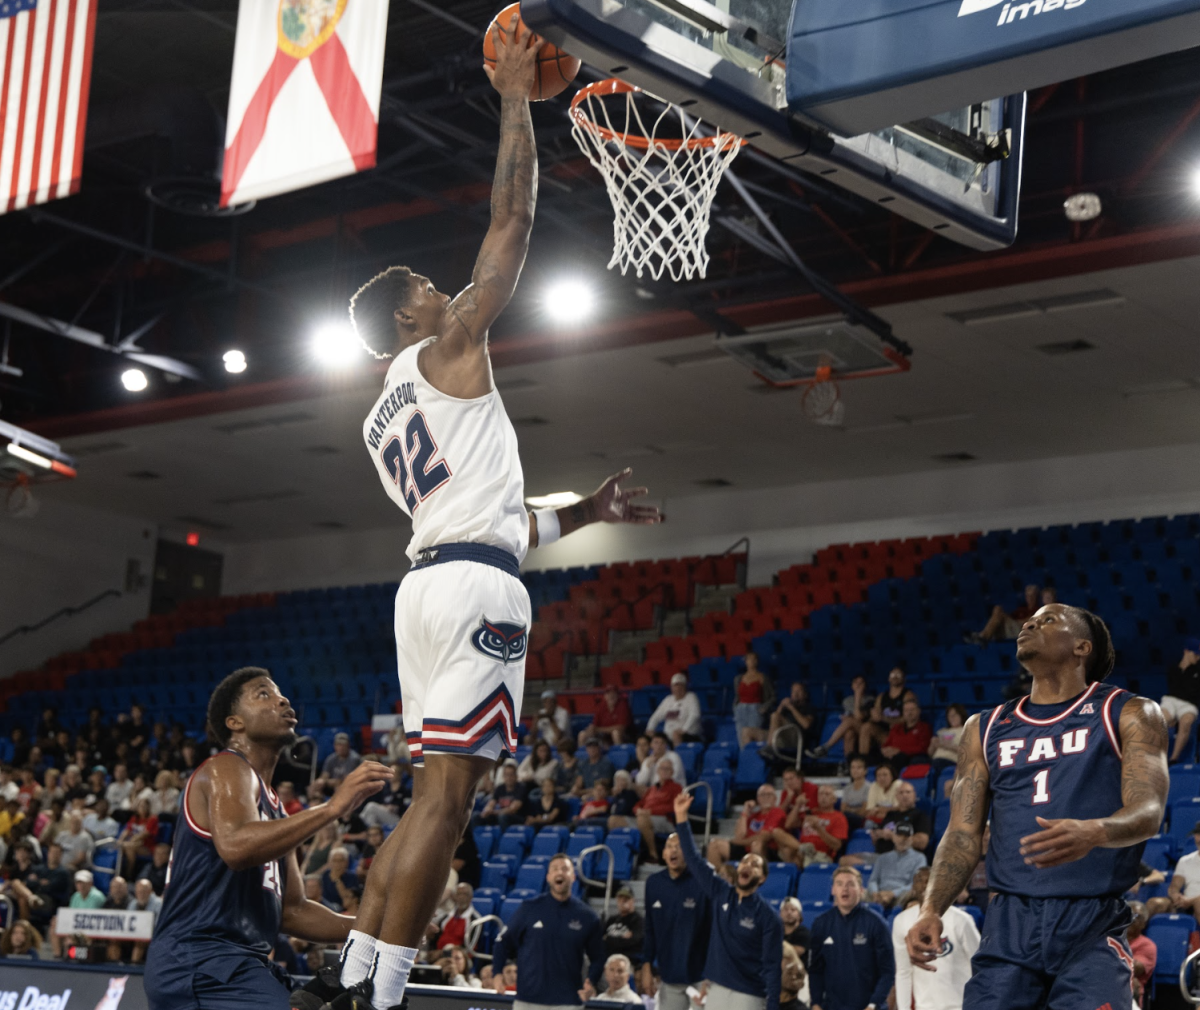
(745, 946)
(678, 920)
(852, 965)
(548, 937)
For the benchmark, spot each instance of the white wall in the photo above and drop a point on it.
(63, 557)
(786, 525)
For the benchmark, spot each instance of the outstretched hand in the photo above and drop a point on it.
(516, 59)
(614, 504)
(683, 803)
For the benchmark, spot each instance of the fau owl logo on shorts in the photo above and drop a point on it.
(500, 640)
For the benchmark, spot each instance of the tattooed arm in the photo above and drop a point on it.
(609, 503)
(960, 848)
(1144, 782)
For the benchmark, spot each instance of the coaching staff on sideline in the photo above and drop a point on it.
(678, 919)
(745, 946)
(852, 962)
(548, 937)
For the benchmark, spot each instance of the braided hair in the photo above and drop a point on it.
(1103, 657)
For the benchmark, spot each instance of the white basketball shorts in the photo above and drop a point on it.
(462, 629)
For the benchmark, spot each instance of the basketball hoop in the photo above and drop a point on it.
(822, 400)
(661, 178)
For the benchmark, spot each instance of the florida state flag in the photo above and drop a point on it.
(304, 100)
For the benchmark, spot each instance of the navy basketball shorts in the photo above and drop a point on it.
(462, 631)
(175, 981)
(1052, 954)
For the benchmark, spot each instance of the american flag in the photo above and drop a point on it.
(45, 69)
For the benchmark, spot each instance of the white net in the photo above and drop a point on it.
(661, 173)
(822, 403)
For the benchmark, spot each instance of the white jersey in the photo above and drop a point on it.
(451, 464)
(941, 989)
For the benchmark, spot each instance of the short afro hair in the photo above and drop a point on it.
(1103, 657)
(373, 308)
(225, 698)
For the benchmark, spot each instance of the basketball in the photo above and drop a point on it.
(555, 69)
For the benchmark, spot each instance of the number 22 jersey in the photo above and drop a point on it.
(1057, 762)
(450, 464)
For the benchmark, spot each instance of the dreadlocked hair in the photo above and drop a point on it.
(373, 308)
(1103, 657)
(225, 698)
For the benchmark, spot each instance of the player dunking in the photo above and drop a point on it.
(233, 882)
(1075, 775)
(446, 453)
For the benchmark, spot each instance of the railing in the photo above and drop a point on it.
(707, 813)
(1184, 988)
(25, 629)
(790, 728)
(288, 757)
(612, 864)
(476, 934)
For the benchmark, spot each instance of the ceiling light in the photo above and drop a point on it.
(30, 457)
(557, 500)
(235, 362)
(335, 344)
(570, 301)
(134, 379)
(192, 539)
(1196, 182)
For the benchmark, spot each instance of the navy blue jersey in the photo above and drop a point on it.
(209, 907)
(1056, 761)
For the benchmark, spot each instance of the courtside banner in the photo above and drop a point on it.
(104, 924)
(43, 985)
(304, 98)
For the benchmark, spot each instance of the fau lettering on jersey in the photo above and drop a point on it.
(1056, 761)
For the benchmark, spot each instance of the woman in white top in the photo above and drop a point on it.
(457, 970)
(539, 764)
(882, 795)
(617, 970)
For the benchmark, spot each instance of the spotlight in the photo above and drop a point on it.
(336, 344)
(235, 362)
(570, 301)
(134, 379)
(1196, 183)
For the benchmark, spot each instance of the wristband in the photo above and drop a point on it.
(548, 527)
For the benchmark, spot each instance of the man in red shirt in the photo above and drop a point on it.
(655, 811)
(754, 830)
(452, 927)
(909, 738)
(612, 719)
(822, 832)
(797, 790)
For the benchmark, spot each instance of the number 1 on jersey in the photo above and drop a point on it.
(409, 462)
(1041, 792)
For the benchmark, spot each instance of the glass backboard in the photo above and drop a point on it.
(957, 173)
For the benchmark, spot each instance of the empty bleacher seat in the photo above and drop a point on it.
(815, 883)
(1170, 933)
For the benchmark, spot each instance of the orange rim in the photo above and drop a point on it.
(614, 86)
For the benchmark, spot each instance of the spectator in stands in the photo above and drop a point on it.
(678, 919)
(137, 837)
(318, 853)
(87, 894)
(624, 797)
(508, 800)
(506, 980)
(120, 789)
(625, 930)
(118, 901)
(885, 713)
(1005, 626)
(755, 697)
(50, 822)
(1144, 950)
(548, 808)
(72, 784)
(486, 978)
(339, 887)
(548, 936)
(743, 964)
(941, 989)
(798, 793)
(755, 829)
(943, 748)
(452, 927)
(595, 806)
(641, 751)
(20, 746)
(791, 720)
(144, 900)
(552, 722)
(660, 748)
(856, 711)
(653, 811)
(904, 812)
(916, 892)
(1184, 889)
(135, 730)
(793, 979)
(457, 969)
(156, 872)
(291, 803)
(372, 843)
(595, 766)
(99, 824)
(30, 788)
(76, 843)
(567, 775)
(386, 806)
(339, 764)
(893, 871)
(21, 940)
(612, 720)
(815, 836)
(855, 794)
(909, 739)
(617, 971)
(791, 918)
(539, 765)
(881, 797)
(1181, 703)
(679, 713)
(852, 965)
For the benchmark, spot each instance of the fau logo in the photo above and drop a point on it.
(1073, 741)
(500, 640)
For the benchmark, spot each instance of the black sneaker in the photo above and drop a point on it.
(816, 753)
(358, 997)
(324, 987)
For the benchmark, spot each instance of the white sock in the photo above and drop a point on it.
(393, 963)
(357, 957)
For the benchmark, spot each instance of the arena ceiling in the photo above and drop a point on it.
(115, 261)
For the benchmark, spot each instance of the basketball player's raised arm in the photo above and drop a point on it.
(609, 503)
(960, 849)
(225, 805)
(514, 193)
(1144, 784)
(306, 919)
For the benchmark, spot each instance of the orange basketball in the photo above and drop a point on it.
(555, 69)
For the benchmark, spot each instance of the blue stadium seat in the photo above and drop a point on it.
(484, 905)
(513, 843)
(860, 841)
(550, 841)
(815, 883)
(493, 894)
(780, 882)
(494, 875)
(718, 756)
(1184, 815)
(508, 909)
(689, 754)
(751, 770)
(532, 876)
(1158, 852)
(974, 912)
(1170, 933)
(620, 755)
(720, 781)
